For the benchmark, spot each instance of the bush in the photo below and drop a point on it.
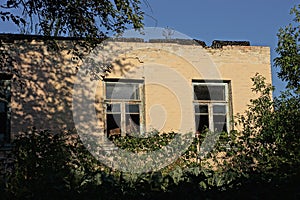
(49, 165)
(262, 161)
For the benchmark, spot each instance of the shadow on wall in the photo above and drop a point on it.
(44, 99)
(44, 72)
(41, 90)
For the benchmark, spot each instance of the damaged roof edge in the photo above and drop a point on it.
(9, 37)
(221, 43)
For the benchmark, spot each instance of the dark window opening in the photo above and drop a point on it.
(113, 122)
(202, 123)
(5, 85)
(211, 107)
(113, 119)
(209, 92)
(3, 120)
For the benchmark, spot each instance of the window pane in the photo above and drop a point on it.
(201, 92)
(219, 109)
(209, 92)
(132, 123)
(202, 122)
(113, 107)
(219, 118)
(132, 108)
(201, 109)
(113, 122)
(220, 123)
(122, 91)
(219, 127)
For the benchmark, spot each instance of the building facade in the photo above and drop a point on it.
(135, 86)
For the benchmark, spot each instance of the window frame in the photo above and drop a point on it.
(211, 103)
(123, 102)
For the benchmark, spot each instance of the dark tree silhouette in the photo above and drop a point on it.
(86, 18)
(288, 49)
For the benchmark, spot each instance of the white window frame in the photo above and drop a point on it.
(211, 103)
(124, 102)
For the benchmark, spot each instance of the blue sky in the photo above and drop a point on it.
(257, 21)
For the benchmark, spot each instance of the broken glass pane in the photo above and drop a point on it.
(113, 122)
(113, 107)
(202, 122)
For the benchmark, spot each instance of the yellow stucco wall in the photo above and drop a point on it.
(168, 71)
(45, 100)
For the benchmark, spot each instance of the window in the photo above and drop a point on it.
(5, 108)
(123, 107)
(211, 106)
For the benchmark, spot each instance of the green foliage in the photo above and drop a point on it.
(264, 156)
(51, 166)
(267, 149)
(288, 49)
(39, 165)
(260, 161)
(89, 19)
(135, 144)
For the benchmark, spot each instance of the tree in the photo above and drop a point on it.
(288, 49)
(86, 18)
(90, 21)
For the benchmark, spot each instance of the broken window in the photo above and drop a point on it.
(211, 106)
(123, 107)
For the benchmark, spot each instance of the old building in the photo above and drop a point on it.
(166, 85)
